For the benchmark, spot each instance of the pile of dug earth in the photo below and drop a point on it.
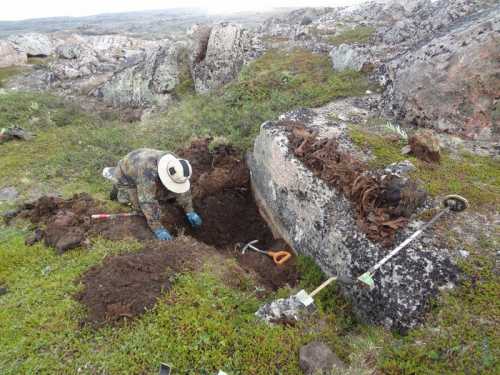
(126, 285)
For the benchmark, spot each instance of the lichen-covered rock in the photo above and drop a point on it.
(148, 83)
(69, 51)
(350, 57)
(34, 44)
(199, 35)
(10, 55)
(229, 46)
(452, 83)
(317, 220)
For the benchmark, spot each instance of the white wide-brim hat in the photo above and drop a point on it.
(174, 173)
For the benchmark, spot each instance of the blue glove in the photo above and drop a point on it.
(194, 219)
(163, 235)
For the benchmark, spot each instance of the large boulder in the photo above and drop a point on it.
(348, 57)
(148, 83)
(317, 220)
(34, 44)
(11, 55)
(451, 83)
(218, 60)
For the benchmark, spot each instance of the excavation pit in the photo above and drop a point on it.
(223, 198)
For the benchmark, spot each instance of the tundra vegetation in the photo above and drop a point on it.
(211, 325)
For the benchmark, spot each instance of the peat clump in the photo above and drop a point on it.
(383, 202)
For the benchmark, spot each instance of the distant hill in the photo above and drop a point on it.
(152, 24)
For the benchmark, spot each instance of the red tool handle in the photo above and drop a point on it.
(113, 216)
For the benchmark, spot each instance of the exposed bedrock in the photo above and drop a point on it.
(451, 83)
(10, 55)
(218, 54)
(148, 83)
(34, 44)
(317, 220)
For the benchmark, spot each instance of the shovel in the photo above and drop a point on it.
(279, 257)
(454, 203)
(307, 299)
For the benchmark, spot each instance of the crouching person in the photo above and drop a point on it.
(145, 176)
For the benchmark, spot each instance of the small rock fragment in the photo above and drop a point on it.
(8, 194)
(317, 358)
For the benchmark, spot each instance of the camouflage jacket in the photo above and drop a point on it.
(138, 172)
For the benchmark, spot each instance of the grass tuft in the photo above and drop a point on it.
(358, 34)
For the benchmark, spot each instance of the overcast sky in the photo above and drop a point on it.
(24, 9)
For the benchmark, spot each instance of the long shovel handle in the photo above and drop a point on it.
(325, 284)
(406, 242)
(279, 257)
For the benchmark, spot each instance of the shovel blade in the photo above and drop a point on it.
(367, 279)
(165, 369)
(304, 298)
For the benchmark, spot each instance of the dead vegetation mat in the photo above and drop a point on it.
(383, 203)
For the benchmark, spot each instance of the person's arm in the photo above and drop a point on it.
(146, 197)
(185, 201)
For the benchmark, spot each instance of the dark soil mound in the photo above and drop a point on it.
(67, 222)
(127, 285)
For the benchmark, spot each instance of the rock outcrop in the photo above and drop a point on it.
(149, 83)
(317, 220)
(452, 82)
(10, 55)
(218, 54)
(34, 44)
(438, 60)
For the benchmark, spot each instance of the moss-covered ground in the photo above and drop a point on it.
(474, 177)
(211, 325)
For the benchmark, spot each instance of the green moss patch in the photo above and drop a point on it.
(199, 326)
(358, 34)
(6, 73)
(461, 335)
(475, 177)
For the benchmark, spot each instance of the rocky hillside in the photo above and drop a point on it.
(337, 130)
(403, 45)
